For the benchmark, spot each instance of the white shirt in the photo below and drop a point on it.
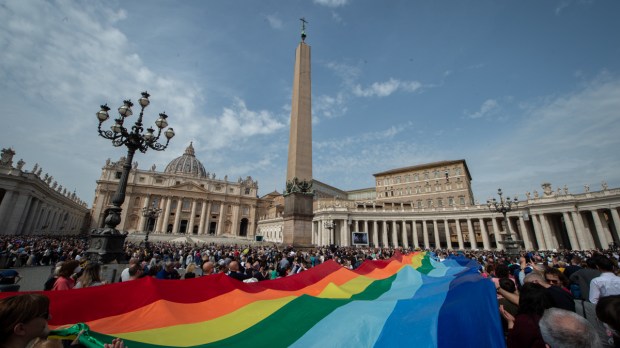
(604, 285)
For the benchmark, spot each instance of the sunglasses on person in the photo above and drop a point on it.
(553, 281)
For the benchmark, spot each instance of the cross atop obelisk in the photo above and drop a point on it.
(303, 28)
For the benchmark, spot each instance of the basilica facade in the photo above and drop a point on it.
(191, 200)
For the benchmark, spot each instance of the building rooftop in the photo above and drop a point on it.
(425, 166)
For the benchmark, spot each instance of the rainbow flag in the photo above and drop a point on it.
(409, 300)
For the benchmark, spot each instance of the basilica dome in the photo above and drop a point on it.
(186, 164)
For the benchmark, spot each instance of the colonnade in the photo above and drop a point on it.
(580, 229)
(27, 212)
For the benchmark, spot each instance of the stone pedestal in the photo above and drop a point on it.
(297, 218)
(106, 248)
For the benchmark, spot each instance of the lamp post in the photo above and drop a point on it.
(151, 213)
(329, 224)
(505, 205)
(106, 244)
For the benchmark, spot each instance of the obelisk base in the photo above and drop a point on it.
(297, 218)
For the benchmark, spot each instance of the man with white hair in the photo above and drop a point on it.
(564, 329)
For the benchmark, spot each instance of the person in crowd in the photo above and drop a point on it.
(233, 271)
(559, 297)
(581, 278)
(208, 268)
(51, 280)
(125, 272)
(608, 312)
(575, 265)
(67, 275)
(190, 271)
(554, 277)
(168, 272)
(135, 272)
(523, 329)
(607, 283)
(508, 285)
(564, 329)
(91, 276)
(23, 318)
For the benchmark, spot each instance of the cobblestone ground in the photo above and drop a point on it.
(33, 278)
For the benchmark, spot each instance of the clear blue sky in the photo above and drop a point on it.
(525, 91)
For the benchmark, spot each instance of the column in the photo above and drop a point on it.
(32, 216)
(540, 238)
(375, 233)
(142, 221)
(414, 227)
(498, 236)
(472, 235)
(425, 231)
(572, 236)
(177, 216)
(208, 217)
(459, 234)
(446, 227)
(526, 234)
(384, 234)
(404, 235)
(192, 218)
(24, 215)
(486, 244)
(36, 227)
(606, 228)
(547, 232)
(616, 219)
(235, 220)
(222, 218)
(5, 207)
(319, 237)
(12, 224)
(347, 233)
(436, 235)
(166, 217)
(600, 232)
(203, 218)
(394, 234)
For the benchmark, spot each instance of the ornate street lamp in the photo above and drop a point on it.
(151, 214)
(329, 224)
(106, 244)
(505, 205)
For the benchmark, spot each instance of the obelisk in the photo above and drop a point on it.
(298, 194)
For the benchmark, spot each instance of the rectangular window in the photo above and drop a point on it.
(429, 203)
(215, 208)
(142, 179)
(462, 200)
(440, 202)
(450, 201)
(118, 175)
(159, 181)
(186, 204)
(420, 204)
(247, 190)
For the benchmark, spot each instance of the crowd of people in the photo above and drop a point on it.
(560, 298)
